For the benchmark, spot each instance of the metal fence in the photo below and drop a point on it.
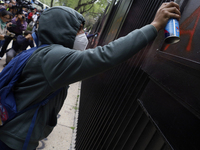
(152, 101)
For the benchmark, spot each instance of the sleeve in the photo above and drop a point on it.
(18, 22)
(21, 39)
(63, 66)
(13, 20)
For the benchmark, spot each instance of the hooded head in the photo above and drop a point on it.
(59, 25)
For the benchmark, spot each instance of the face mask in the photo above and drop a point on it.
(80, 42)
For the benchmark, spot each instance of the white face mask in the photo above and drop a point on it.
(80, 42)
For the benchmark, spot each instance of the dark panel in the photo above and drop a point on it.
(165, 79)
(175, 67)
(179, 125)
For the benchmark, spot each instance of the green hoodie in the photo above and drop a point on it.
(58, 65)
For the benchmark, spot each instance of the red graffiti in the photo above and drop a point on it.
(194, 16)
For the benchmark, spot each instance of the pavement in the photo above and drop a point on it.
(63, 135)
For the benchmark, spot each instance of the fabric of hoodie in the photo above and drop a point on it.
(57, 65)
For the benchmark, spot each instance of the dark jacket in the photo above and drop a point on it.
(22, 43)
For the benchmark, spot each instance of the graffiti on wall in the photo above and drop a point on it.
(194, 20)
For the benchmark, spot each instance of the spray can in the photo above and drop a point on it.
(172, 33)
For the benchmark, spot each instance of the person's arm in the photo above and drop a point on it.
(9, 24)
(21, 39)
(25, 41)
(13, 21)
(29, 40)
(64, 66)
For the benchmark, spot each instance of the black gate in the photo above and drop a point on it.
(152, 101)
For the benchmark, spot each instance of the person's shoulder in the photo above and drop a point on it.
(57, 49)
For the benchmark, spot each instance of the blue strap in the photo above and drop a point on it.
(30, 130)
(42, 103)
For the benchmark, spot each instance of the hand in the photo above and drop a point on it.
(164, 13)
(19, 16)
(10, 34)
(9, 24)
(29, 37)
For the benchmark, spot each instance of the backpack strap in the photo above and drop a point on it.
(42, 103)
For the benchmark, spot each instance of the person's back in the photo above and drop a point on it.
(59, 64)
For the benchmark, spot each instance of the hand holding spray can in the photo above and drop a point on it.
(172, 32)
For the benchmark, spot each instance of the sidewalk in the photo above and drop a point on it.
(64, 133)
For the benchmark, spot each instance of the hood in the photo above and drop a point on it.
(59, 25)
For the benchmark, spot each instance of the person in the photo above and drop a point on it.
(5, 17)
(10, 6)
(19, 25)
(30, 16)
(13, 11)
(21, 43)
(25, 11)
(36, 24)
(57, 65)
(33, 24)
(20, 22)
(35, 16)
